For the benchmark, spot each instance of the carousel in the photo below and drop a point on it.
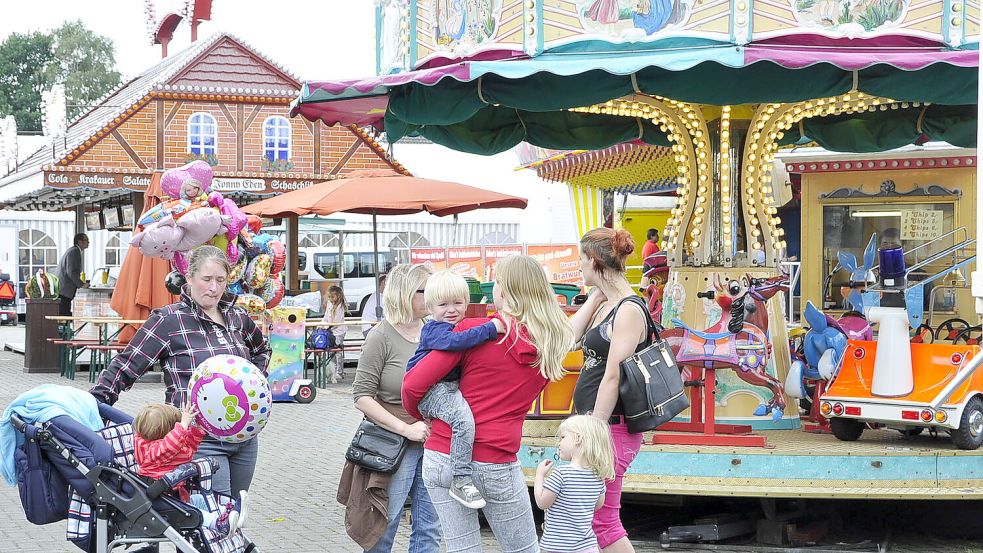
(717, 88)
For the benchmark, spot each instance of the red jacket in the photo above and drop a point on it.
(158, 457)
(499, 383)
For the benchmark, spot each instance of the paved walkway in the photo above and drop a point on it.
(292, 498)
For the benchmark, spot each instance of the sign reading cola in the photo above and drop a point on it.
(72, 179)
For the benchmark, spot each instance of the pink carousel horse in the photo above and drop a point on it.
(739, 341)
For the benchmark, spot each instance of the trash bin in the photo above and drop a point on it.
(40, 356)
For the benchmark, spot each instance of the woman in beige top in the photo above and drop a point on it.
(378, 381)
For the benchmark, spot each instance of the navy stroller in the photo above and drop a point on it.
(67, 471)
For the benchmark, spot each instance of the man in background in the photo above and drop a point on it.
(70, 273)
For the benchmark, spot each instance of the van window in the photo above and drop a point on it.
(366, 263)
(326, 264)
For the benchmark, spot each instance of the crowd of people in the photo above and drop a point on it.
(458, 389)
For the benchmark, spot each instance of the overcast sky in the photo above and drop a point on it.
(314, 39)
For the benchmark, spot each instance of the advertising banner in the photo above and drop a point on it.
(466, 261)
(435, 257)
(560, 262)
(493, 253)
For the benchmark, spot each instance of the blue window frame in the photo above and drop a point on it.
(276, 139)
(202, 134)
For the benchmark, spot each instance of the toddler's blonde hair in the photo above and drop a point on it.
(445, 286)
(154, 421)
(594, 437)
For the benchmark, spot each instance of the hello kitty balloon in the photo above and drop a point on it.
(233, 398)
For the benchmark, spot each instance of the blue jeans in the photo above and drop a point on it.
(508, 509)
(445, 402)
(408, 482)
(236, 464)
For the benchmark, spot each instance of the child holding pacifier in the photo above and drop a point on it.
(166, 438)
(571, 493)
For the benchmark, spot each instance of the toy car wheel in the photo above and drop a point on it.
(969, 435)
(848, 430)
(305, 394)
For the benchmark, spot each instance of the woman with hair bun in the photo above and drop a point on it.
(610, 331)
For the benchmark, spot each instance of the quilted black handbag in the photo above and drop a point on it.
(376, 448)
(651, 387)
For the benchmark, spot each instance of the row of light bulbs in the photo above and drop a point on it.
(766, 129)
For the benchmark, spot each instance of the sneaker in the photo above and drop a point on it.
(464, 492)
(243, 508)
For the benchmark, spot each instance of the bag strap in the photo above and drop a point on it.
(653, 333)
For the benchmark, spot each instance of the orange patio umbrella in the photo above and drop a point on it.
(382, 192)
(140, 287)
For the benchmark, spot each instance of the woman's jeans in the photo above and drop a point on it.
(508, 508)
(236, 464)
(408, 482)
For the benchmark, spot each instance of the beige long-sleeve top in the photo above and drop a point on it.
(382, 365)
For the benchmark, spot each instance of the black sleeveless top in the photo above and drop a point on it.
(597, 344)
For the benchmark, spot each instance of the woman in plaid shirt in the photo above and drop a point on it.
(204, 323)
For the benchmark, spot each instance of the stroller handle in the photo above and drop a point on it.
(18, 423)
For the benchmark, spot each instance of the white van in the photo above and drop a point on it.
(358, 280)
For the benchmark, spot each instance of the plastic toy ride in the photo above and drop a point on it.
(908, 386)
(8, 296)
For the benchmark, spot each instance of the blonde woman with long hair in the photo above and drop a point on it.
(499, 379)
(376, 391)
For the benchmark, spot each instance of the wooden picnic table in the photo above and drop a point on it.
(101, 350)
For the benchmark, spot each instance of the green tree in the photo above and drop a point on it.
(85, 62)
(23, 63)
(71, 54)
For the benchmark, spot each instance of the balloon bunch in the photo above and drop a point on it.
(256, 276)
(192, 215)
(189, 215)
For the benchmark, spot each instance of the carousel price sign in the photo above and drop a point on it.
(921, 224)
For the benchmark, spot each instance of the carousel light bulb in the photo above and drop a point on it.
(725, 208)
(700, 210)
(697, 220)
(695, 244)
(728, 242)
(754, 221)
(756, 246)
(726, 220)
(724, 145)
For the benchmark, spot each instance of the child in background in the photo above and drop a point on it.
(166, 438)
(572, 492)
(447, 299)
(334, 312)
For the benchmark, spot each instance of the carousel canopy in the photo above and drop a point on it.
(490, 106)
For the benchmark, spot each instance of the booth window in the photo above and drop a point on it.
(114, 252)
(318, 240)
(401, 244)
(848, 228)
(202, 134)
(276, 139)
(36, 250)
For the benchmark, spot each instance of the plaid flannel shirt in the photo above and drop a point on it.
(180, 336)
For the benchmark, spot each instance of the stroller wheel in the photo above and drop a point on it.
(305, 394)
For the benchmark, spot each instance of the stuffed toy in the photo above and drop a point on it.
(237, 222)
(167, 238)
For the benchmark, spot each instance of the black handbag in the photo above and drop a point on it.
(651, 387)
(376, 448)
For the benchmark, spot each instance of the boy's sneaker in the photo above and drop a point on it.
(464, 492)
(243, 509)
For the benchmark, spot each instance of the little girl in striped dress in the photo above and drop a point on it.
(571, 493)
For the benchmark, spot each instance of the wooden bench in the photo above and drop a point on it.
(102, 355)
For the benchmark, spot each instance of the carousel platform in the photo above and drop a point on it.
(883, 464)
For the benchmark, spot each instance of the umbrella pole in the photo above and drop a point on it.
(378, 266)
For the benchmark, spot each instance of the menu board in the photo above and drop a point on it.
(921, 224)
(494, 253)
(561, 263)
(465, 261)
(436, 258)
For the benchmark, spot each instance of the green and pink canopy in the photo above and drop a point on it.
(491, 102)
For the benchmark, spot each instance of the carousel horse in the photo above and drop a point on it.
(739, 341)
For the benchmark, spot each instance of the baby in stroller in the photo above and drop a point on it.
(166, 439)
(68, 468)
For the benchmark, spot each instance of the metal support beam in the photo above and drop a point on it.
(293, 226)
(79, 218)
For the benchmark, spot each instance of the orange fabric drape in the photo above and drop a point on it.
(140, 286)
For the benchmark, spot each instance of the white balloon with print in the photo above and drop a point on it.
(233, 398)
